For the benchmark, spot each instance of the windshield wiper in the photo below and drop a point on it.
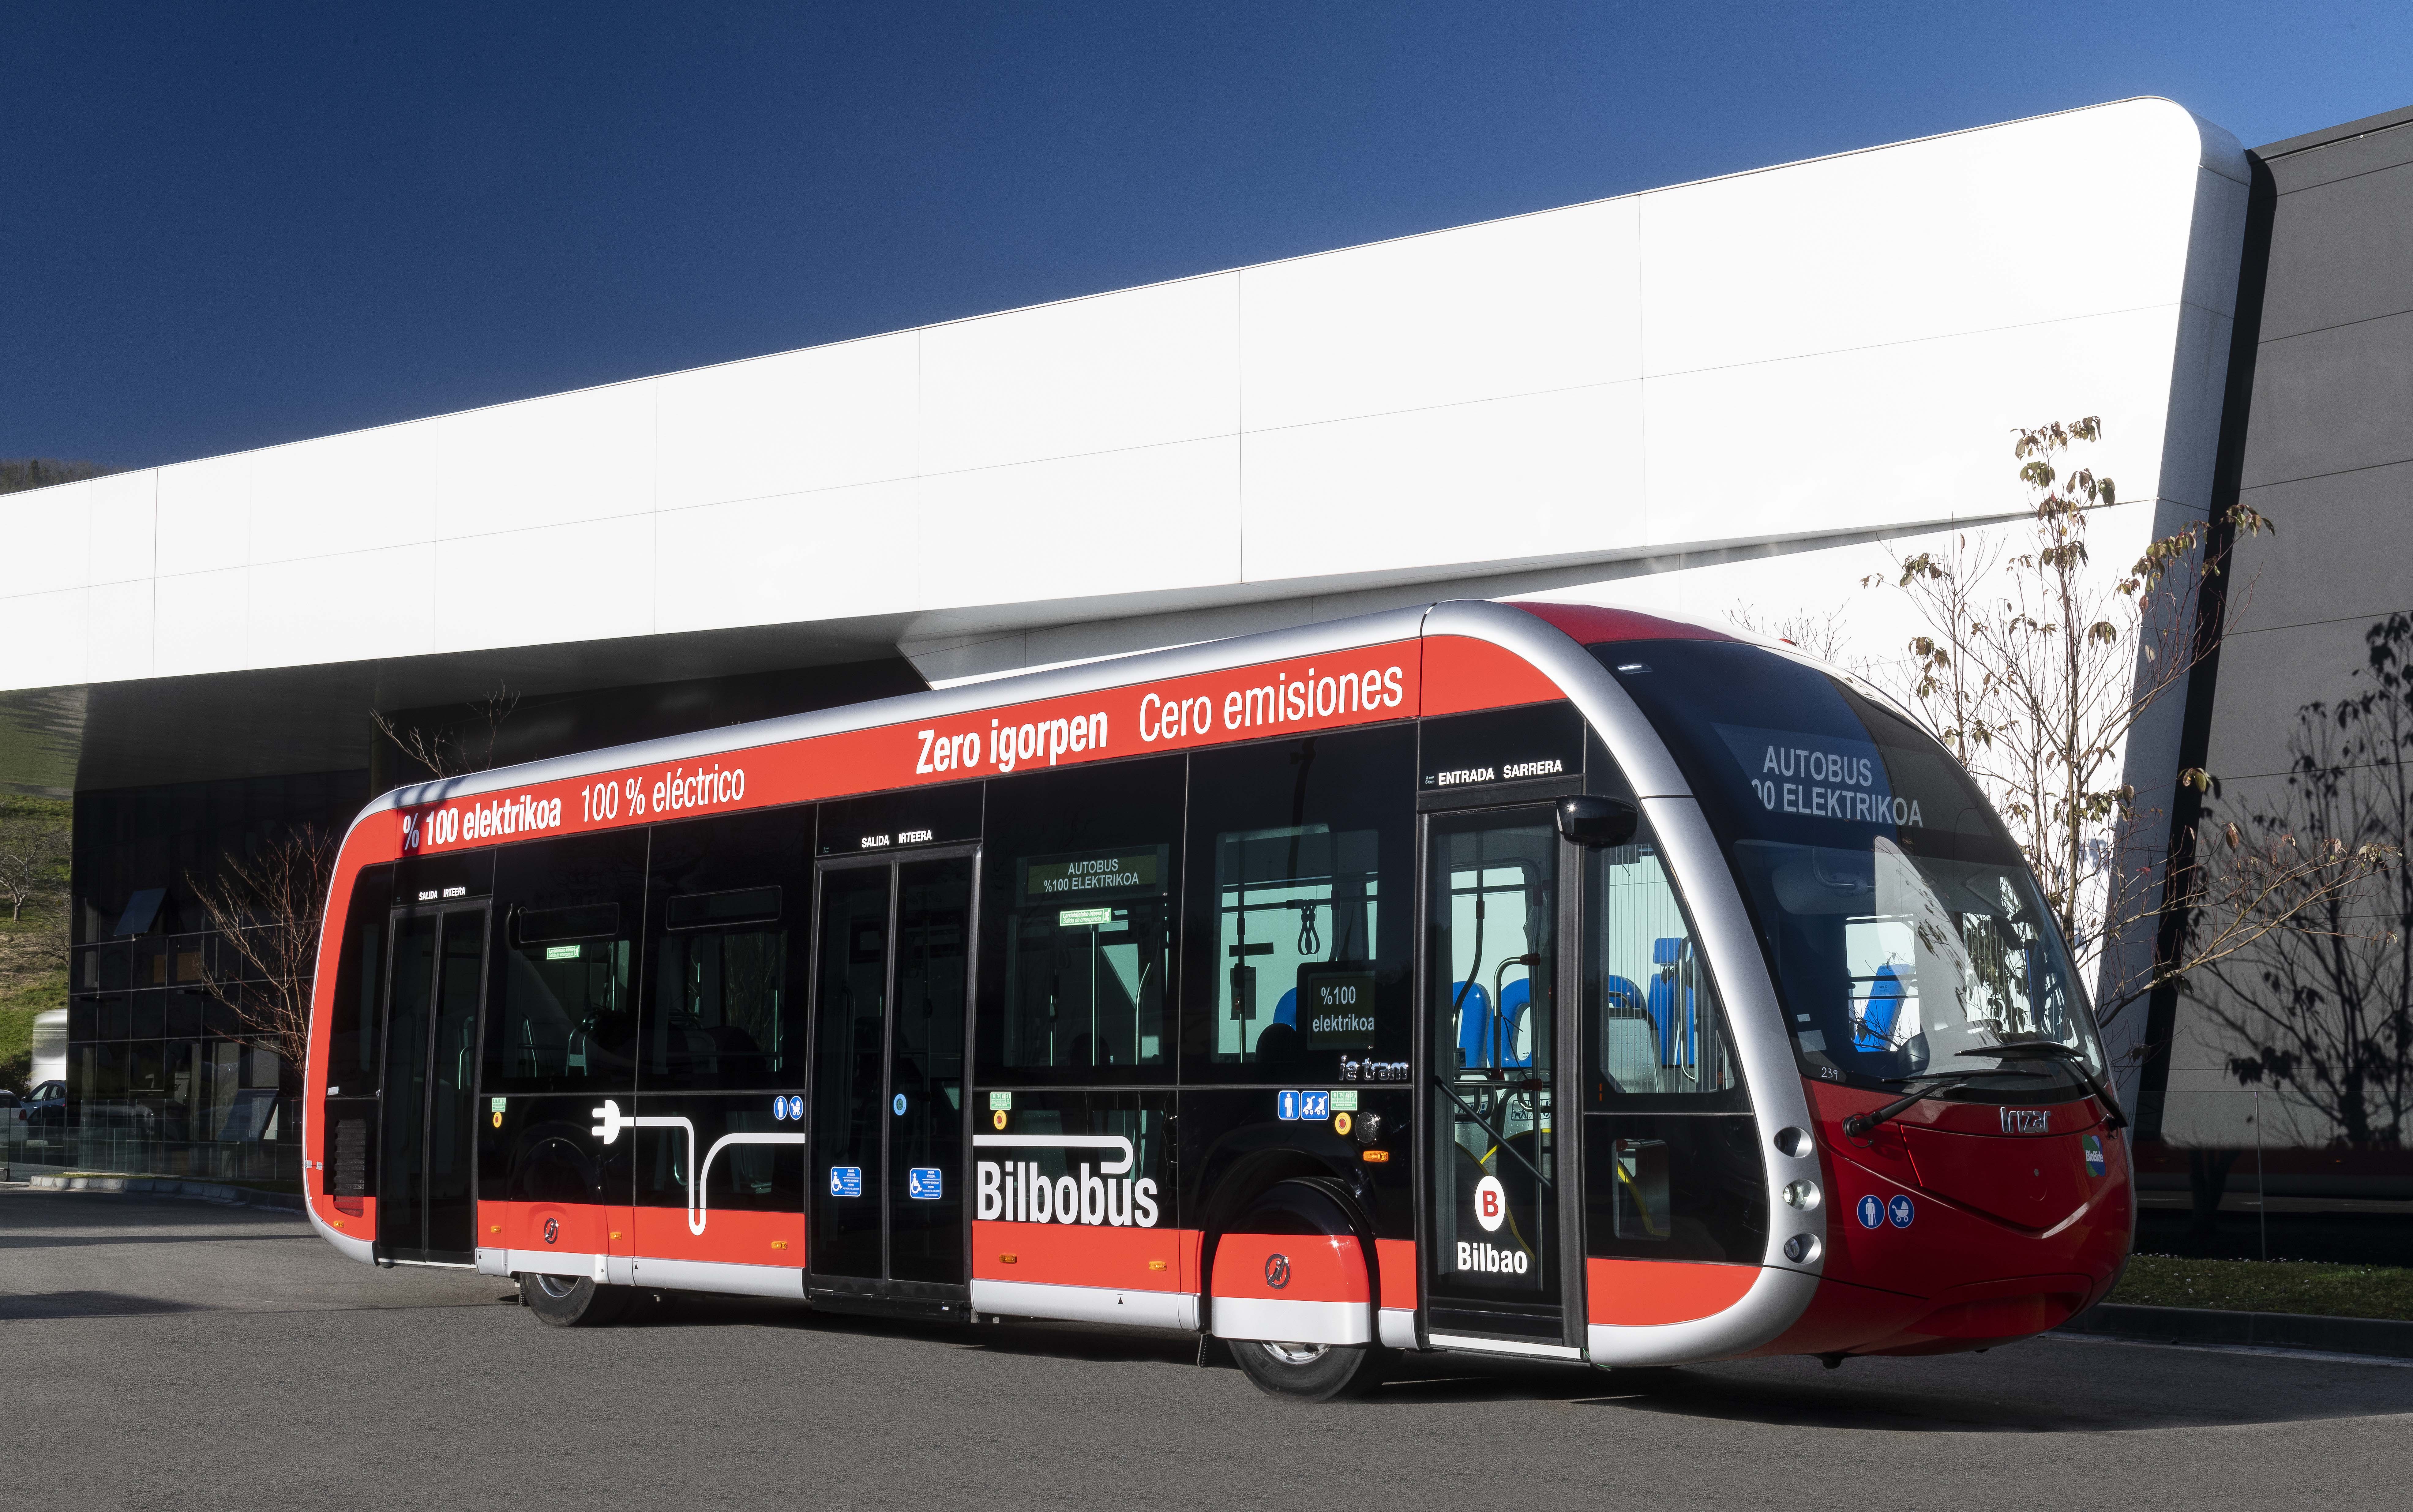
(1942, 1081)
(2055, 1051)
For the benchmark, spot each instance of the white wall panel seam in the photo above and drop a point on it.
(1452, 404)
(1128, 450)
(1920, 340)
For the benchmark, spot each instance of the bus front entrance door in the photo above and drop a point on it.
(426, 1207)
(1496, 1174)
(892, 985)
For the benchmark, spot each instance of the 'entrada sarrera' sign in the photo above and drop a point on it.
(1136, 872)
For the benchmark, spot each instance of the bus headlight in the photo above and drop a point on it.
(1802, 1195)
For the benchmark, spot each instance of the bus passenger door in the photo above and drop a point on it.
(892, 987)
(1495, 1168)
(427, 1152)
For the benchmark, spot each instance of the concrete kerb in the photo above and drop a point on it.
(2258, 1331)
(170, 1186)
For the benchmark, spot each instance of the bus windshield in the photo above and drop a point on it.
(1905, 931)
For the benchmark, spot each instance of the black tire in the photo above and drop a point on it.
(1310, 1372)
(573, 1301)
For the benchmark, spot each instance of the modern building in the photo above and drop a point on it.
(1732, 398)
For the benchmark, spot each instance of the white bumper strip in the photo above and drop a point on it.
(719, 1276)
(1293, 1322)
(541, 1263)
(1505, 1346)
(1086, 1304)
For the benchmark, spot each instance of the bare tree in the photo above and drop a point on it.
(445, 751)
(2035, 669)
(266, 909)
(2323, 1011)
(32, 856)
(1821, 633)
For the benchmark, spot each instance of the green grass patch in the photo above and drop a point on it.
(2335, 1291)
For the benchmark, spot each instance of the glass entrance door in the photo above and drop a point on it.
(427, 1200)
(1493, 1266)
(891, 989)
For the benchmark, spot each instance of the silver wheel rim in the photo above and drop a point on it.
(1294, 1353)
(558, 1288)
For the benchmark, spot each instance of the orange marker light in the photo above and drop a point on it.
(1006, 1259)
(1156, 1264)
(1376, 1157)
(493, 1228)
(615, 1233)
(778, 1244)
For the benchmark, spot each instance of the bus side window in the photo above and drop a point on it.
(1080, 875)
(561, 1011)
(1654, 1025)
(1300, 886)
(728, 906)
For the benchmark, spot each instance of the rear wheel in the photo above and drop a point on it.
(573, 1301)
(1310, 1372)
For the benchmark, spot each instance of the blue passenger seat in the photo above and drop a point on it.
(1514, 999)
(1474, 1022)
(1672, 1021)
(1874, 1030)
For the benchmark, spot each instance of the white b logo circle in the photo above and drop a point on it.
(1490, 1204)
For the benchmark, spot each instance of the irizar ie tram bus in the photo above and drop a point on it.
(1530, 980)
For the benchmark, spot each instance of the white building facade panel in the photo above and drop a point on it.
(363, 491)
(560, 460)
(832, 553)
(1141, 367)
(1833, 345)
(827, 417)
(1541, 303)
(205, 514)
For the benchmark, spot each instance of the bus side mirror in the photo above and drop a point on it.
(1596, 822)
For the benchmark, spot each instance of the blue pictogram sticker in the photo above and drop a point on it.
(780, 1107)
(923, 1184)
(1315, 1106)
(1901, 1211)
(899, 1105)
(2096, 1165)
(846, 1181)
(1286, 1107)
(1872, 1211)
(796, 1107)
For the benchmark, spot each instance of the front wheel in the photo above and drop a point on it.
(573, 1301)
(1310, 1372)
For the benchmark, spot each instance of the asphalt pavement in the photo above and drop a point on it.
(157, 1352)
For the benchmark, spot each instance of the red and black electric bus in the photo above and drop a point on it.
(1525, 979)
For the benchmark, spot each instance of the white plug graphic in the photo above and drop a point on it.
(610, 1122)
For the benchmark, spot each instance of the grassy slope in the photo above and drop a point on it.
(2338, 1290)
(30, 984)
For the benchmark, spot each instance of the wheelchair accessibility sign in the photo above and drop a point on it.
(846, 1181)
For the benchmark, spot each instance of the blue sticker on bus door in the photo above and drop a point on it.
(1315, 1106)
(922, 1183)
(1286, 1107)
(2095, 1165)
(846, 1181)
(1901, 1211)
(1872, 1211)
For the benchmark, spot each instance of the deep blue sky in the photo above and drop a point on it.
(227, 225)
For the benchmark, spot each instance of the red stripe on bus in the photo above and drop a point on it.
(1082, 1254)
(1462, 674)
(1397, 1260)
(1291, 1268)
(1640, 1292)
